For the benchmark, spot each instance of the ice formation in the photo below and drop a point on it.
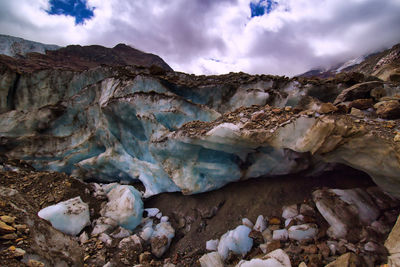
(125, 206)
(69, 216)
(237, 241)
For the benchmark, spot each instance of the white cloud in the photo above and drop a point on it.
(209, 36)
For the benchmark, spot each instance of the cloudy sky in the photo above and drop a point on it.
(284, 37)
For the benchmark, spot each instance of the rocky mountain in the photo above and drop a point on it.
(384, 65)
(119, 116)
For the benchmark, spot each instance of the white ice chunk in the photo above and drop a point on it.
(146, 233)
(152, 212)
(288, 221)
(237, 241)
(289, 211)
(164, 219)
(162, 230)
(159, 215)
(281, 234)
(124, 206)
(69, 216)
(303, 231)
(277, 258)
(212, 259)
(121, 233)
(260, 224)
(212, 245)
(248, 223)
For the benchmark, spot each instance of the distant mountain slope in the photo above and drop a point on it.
(73, 57)
(13, 46)
(384, 65)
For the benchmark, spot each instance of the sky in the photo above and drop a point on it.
(280, 37)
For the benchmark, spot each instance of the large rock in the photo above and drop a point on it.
(361, 90)
(388, 109)
(392, 244)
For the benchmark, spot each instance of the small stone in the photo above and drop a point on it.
(9, 236)
(303, 231)
(274, 221)
(83, 238)
(357, 113)
(307, 210)
(310, 249)
(145, 257)
(5, 228)
(86, 257)
(302, 264)
(35, 263)
(324, 249)
(274, 227)
(267, 235)
(212, 259)
(273, 245)
(397, 137)
(11, 248)
(212, 245)
(281, 234)
(7, 219)
(257, 237)
(18, 252)
(289, 211)
(289, 222)
(260, 224)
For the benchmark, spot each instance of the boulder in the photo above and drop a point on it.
(388, 109)
(392, 244)
(360, 90)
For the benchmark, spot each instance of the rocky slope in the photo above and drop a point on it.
(14, 46)
(93, 113)
(384, 65)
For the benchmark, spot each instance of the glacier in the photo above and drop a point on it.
(178, 132)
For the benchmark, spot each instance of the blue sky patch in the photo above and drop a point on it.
(262, 7)
(75, 8)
